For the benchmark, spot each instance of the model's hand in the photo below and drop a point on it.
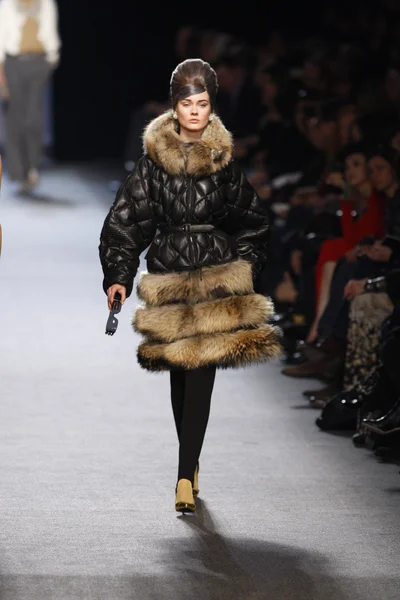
(112, 290)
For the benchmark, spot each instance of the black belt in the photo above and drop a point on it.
(188, 228)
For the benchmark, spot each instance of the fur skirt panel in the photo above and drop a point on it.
(203, 318)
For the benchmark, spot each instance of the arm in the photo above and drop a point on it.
(247, 219)
(355, 287)
(128, 229)
(53, 53)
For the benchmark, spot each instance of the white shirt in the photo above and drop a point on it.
(12, 20)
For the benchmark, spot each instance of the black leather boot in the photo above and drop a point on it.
(337, 416)
(351, 399)
(388, 424)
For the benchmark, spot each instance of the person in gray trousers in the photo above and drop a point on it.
(29, 52)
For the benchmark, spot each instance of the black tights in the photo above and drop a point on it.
(191, 398)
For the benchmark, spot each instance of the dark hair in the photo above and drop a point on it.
(386, 152)
(353, 148)
(193, 76)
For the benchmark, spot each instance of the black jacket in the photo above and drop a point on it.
(190, 203)
(393, 218)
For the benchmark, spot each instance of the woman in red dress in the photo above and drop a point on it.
(362, 211)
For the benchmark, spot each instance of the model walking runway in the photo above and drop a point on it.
(88, 450)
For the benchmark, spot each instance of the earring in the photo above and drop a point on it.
(175, 116)
(211, 118)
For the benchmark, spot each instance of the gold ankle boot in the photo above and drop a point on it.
(184, 501)
(196, 490)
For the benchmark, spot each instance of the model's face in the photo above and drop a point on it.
(355, 170)
(193, 112)
(381, 173)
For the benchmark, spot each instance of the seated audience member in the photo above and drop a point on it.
(362, 211)
(383, 165)
(371, 393)
(350, 277)
(310, 218)
(281, 153)
(386, 404)
(239, 99)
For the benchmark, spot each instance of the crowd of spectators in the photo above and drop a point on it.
(316, 124)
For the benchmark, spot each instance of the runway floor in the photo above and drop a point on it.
(88, 450)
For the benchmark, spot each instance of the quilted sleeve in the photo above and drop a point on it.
(127, 230)
(247, 218)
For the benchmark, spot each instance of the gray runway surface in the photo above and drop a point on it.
(88, 450)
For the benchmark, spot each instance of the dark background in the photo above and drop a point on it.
(118, 53)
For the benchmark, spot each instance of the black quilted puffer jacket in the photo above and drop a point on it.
(190, 203)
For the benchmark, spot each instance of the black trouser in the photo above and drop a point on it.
(191, 398)
(335, 318)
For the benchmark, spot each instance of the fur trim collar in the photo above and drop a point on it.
(165, 147)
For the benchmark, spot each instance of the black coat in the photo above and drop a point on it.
(191, 204)
(393, 219)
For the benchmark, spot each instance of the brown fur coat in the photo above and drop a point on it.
(206, 317)
(192, 320)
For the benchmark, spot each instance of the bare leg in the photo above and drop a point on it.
(327, 275)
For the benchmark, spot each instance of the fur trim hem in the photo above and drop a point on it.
(192, 287)
(166, 148)
(174, 322)
(226, 350)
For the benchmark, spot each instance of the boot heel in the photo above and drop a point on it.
(196, 490)
(184, 501)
